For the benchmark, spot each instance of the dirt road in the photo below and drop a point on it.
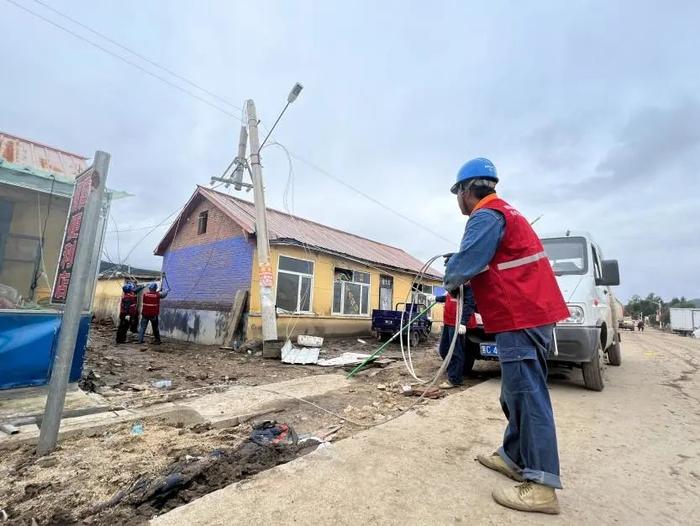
(629, 455)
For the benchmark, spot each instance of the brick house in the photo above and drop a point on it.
(326, 281)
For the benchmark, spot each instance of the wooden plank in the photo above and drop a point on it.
(235, 316)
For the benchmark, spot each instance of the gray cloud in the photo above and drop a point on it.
(588, 126)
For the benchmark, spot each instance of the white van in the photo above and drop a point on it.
(589, 337)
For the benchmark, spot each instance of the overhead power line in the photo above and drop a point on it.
(139, 55)
(369, 197)
(123, 59)
(197, 97)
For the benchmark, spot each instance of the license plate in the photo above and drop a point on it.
(489, 349)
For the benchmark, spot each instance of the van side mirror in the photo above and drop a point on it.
(611, 273)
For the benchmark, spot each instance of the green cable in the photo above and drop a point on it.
(379, 351)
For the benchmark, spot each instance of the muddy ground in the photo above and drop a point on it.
(76, 482)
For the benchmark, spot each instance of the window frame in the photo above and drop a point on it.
(204, 214)
(300, 275)
(391, 296)
(342, 293)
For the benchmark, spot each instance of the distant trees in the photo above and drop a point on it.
(652, 304)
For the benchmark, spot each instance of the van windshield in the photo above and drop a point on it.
(567, 255)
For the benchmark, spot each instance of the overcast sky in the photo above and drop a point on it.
(589, 110)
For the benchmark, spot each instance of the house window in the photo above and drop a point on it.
(295, 278)
(350, 292)
(202, 222)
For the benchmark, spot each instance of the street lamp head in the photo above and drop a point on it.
(294, 93)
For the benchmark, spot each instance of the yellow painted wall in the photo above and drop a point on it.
(108, 293)
(323, 321)
(25, 221)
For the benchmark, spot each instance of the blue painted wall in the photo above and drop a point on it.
(27, 347)
(209, 274)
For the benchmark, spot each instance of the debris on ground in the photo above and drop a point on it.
(137, 429)
(306, 340)
(347, 358)
(270, 432)
(299, 355)
(115, 477)
(432, 393)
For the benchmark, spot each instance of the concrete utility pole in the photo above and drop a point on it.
(80, 279)
(267, 300)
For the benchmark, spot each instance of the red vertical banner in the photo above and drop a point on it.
(84, 185)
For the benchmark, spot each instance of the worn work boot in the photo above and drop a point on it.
(447, 385)
(528, 496)
(496, 463)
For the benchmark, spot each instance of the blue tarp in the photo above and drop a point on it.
(27, 347)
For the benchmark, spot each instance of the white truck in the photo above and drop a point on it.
(685, 321)
(589, 338)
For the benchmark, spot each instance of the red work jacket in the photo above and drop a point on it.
(128, 305)
(449, 314)
(518, 289)
(150, 304)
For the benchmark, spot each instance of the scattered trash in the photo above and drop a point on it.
(347, 358)
(163, 384)
(432, 393)
(296, 355)
(361, 341)
(381, 387)
(270, 433)
(406, 388)
(3, 515)
(309, 341)
(137, 429)
(47, 462)
(9, 429)
(328, 433)
(190, 458)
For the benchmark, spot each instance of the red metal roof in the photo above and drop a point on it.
(285, 227)
(26, 154)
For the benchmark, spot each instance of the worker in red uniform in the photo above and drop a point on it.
(520, 302)
(150, 310)
(455, 369)
(128, 311)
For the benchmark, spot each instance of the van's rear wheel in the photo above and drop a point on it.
(615, 354)
(414, 338)
(593, 370)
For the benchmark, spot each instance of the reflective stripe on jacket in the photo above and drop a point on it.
(517, 290)
(150, 304)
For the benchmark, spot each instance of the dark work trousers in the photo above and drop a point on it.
(154, 326)
(125, 323)
(455, 369)
(530, 439)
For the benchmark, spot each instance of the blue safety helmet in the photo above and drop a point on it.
(153, 286)
(478, 168)
(128, 287)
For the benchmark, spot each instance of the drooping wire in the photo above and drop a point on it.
(123, 59)
(308, 163)
(116, 229)
(139, 55)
